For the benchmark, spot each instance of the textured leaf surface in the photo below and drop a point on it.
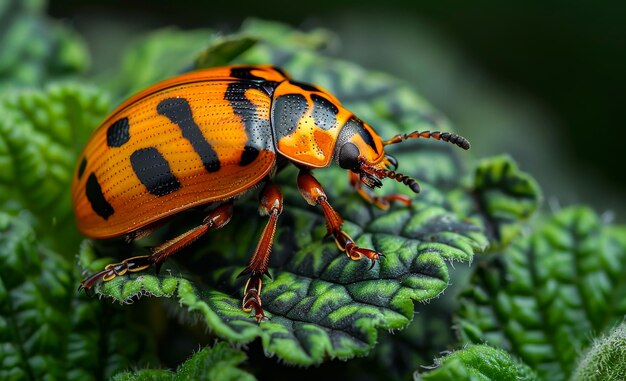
(41, 134)
(502, 198)
(218, 363)
(48, 331)
(606, 359)
(478, 363)
(34, 49)
(544, 295)
(322, 304)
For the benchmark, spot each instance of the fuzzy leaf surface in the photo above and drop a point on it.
(41, 135)
(606, 358)
(545, 293)
(47, 330)
(478, 363)
(218, 363)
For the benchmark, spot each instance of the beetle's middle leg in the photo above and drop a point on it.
(314, 194)
(219, 217)
(271, 204)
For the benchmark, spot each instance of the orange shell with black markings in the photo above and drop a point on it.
(198, 138)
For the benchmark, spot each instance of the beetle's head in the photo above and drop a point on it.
(360, 150)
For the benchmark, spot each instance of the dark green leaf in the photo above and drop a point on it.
(321, 303)
(34, 49)
(218, 363)
(478, 363)
(155, 57)
(501, 199)
(48, 330)
(41, 134)
(223, 50)
(545, 293)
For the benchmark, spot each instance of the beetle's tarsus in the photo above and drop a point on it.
(252, 301)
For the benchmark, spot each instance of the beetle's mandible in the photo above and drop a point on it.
(209, 136)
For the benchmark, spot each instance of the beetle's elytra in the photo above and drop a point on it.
(207, 137)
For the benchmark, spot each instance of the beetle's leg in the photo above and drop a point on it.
(219, 217)
(271, 204)
(314, 194)
(369, 196)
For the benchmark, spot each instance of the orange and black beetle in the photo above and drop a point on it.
(209, 136)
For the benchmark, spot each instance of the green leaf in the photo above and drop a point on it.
(41, 134)
(321, 303)
(282, 35)
(218, 363)
(34, 49)
(225, 49)
(158, 55)
(606, 359)
(478, 363)
(501, 199)
(48, 331)
(545, 293)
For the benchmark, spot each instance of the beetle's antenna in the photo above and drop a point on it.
(399, 177)
(402, 178)
(445, 136)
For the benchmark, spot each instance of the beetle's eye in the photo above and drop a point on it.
(349, 157)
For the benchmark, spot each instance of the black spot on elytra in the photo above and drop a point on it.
(117, 133)
(94, 194)
(81, 167)
(257, 129)
(154, 171)
(178, 111)
(286, 113)
(248, 155)
(324, 112)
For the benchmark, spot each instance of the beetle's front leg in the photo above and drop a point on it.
(218, 217)
(314, 194)
(271, 204)
(369, 196)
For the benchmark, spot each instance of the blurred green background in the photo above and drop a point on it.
(541, 81)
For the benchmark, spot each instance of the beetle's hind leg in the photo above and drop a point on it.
(219, 217)
(271, 204)
(314, 194)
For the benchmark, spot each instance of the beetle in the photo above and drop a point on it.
(210, 136)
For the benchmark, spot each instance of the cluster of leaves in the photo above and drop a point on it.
(530, 308)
